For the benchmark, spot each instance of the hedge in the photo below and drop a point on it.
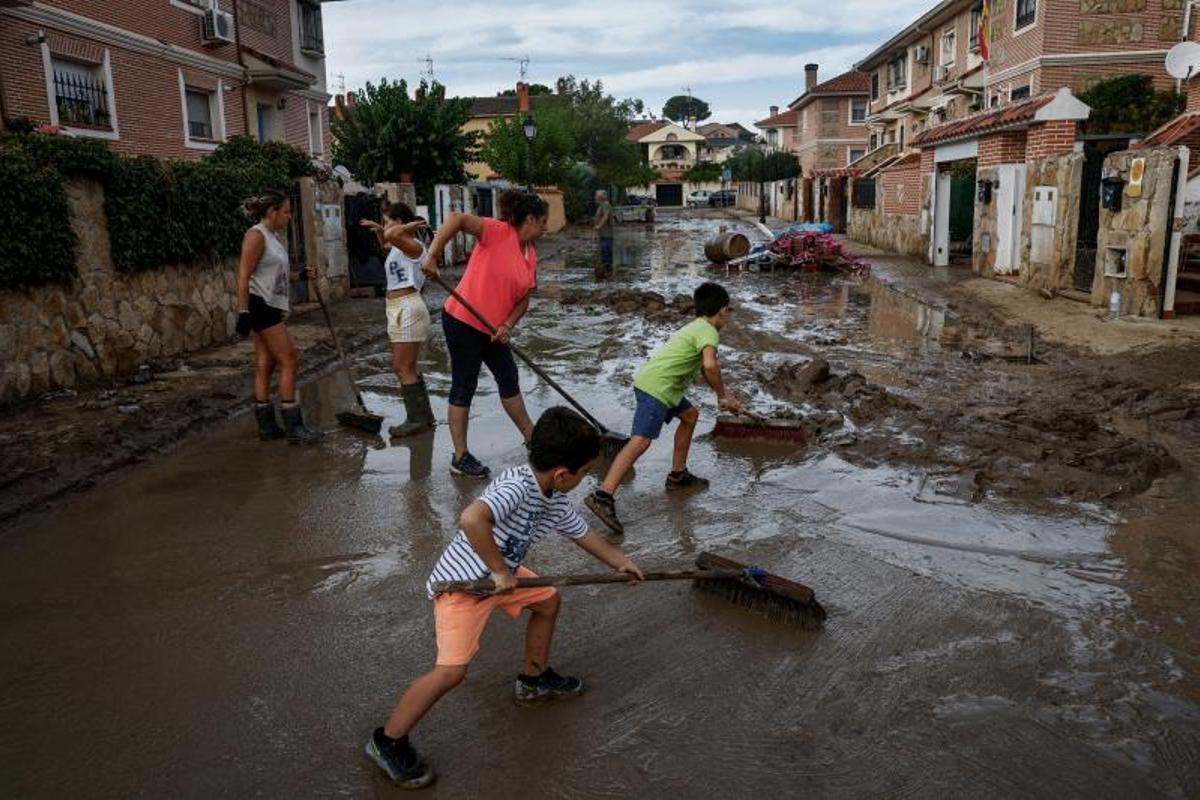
(159, 212)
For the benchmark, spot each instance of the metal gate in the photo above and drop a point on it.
(962, 214)
(669, 194)
(362, 246)
(1094, 152)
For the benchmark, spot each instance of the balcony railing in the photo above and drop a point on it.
(81, 100)
(199, 130)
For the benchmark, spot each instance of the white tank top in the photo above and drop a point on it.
(270, 277)
(404, 272)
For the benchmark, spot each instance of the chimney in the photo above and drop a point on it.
(810, 77)
(523, 97)
(774, 110)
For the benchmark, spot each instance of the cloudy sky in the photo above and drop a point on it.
(742, 56)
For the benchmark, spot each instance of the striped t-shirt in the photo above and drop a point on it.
(521, 515)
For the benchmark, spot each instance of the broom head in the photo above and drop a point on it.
(777, 598)
(789, 431)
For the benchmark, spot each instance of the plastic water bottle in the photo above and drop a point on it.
(1114, 305)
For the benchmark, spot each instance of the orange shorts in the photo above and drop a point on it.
(459, 618)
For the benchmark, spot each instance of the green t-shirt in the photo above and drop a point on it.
(673, 367)
(604, 212)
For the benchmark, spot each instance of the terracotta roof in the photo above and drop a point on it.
(643, 129)
(279, 63)
(852, 82)
(505, 106)
(895, 162)
(784, 119)
(1017, 115)
(1174, 131)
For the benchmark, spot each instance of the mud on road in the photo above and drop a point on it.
(1007, 552)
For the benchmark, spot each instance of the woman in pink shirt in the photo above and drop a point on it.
(500, 277)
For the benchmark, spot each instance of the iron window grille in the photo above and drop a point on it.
(312, 37)
(863, 193)
(199, 115)
(897, 73)
(1026, 12)
(976, 16)
(82, 100)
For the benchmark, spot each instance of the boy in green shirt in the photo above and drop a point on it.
(659, 387)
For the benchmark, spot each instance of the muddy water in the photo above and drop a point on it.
(234, 618)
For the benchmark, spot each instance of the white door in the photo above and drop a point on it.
(1004, 219)
(941, 220)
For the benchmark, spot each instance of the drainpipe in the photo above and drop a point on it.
(1172, 272)
(237, 43)
(1187, 27)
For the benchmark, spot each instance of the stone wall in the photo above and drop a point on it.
(1048, 250)
(899, 233)
(105, 323)
(1140, 229)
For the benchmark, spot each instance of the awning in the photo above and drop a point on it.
(274, 73)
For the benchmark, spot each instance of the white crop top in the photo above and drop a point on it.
(404, 272)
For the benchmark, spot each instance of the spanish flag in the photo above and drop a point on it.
(985, 29)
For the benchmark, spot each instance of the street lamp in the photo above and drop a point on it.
(530, 129)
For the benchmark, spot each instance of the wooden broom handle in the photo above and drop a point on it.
(488, 584)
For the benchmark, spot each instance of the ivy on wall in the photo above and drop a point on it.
(159, 212)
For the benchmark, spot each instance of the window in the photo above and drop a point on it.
(863, 193)
(874, 85)
(1019, 93)
(855, 153)
(874, 140)
(897, 73)
(902, 137)
(1026, 14)
(858, 111)
(949, 45)
(80, 94)
(976, 17)
(312, 38)
(199, 114)
(995, 101)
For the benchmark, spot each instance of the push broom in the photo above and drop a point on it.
(777, 598)
(611, 441)
(749, 425)
(358, 417)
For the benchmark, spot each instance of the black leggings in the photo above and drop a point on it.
(469, 350)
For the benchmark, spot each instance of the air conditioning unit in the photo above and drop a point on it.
(922, 54)
(941, 72)
(217, 27)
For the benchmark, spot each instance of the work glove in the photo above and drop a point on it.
(243, 324)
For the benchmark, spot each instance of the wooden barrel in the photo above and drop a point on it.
(725, 246)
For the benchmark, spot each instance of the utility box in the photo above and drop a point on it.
(1045, 203)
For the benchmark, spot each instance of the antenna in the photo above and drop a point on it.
(428, 62)
(1183, 60)
(524, 62)
(341, 79)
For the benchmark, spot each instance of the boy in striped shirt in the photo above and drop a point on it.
(495, 534)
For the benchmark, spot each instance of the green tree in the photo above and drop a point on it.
(756, 164)
(544, 161)
(704, 172)
(681, 107)
(535, 89)
(387, 133)
(599, 123)
(1129, 104)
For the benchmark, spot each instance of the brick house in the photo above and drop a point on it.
(671, 150)
(168, 78)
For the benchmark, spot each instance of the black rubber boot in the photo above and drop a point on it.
(268, 428)
(417, 408)
(297, 431)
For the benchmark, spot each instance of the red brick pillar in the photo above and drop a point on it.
(1056, 137)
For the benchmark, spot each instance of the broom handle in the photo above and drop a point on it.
(337, 342)
(488, 585)
(520, 354)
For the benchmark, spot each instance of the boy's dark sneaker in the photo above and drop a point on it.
(685, 480)
(547, 686)
(604, 506)
(469, 466)
(399, 760)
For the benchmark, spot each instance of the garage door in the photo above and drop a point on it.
(669, 194)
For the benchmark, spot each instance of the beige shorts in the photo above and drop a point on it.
(407, 318)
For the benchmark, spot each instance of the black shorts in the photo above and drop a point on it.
(469, 350)
(263, 316)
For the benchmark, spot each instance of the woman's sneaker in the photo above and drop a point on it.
(399, 760)
(468, 466)
(604, 506)
(547, 686)
(685, 480)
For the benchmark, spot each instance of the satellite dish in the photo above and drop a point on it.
(1183, 60)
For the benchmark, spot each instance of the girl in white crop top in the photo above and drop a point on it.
(407, 315)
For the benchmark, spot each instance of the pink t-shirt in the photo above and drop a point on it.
(498, 276)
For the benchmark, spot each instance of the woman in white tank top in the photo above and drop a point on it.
(407, 315)
(262, 297)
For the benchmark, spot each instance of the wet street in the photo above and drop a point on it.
(233, 618)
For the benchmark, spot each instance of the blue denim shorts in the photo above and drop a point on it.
(651, 414)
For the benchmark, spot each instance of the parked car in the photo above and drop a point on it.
(722, 198)
(698, 198)
(640, 200)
